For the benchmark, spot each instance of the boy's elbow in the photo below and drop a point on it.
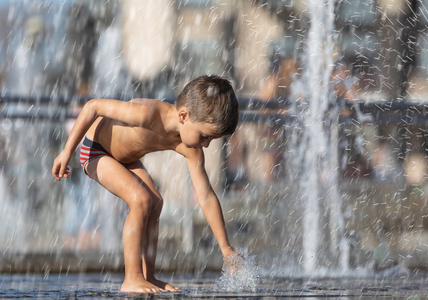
(92, 107)
(92, 103)
(204, 203)
(207, 200)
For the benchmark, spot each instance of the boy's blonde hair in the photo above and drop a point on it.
(211, 99)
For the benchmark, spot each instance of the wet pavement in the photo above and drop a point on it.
(106, 286)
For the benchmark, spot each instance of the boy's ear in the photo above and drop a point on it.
(183, 114)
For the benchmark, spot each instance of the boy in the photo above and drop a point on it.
(119, 133)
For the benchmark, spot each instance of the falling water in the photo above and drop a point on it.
(316, 164)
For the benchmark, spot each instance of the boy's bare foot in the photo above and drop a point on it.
(164, 285)
(137, 284)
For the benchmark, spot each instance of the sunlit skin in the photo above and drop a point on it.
(128, 131)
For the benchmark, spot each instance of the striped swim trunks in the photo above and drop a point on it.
(90, 150)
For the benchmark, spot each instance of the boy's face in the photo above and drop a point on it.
(197, 134)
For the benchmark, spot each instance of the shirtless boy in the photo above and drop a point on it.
(119, 134)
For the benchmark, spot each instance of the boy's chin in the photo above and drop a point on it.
(192, 147)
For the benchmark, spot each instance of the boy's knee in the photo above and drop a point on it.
(141, 200)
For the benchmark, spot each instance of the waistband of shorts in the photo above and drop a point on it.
(93, 145)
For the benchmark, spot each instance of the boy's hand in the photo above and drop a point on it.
(60, 169)
(232, 262)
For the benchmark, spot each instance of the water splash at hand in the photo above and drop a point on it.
(240, 273)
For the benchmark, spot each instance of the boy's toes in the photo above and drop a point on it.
(165, 287)
(173, 288)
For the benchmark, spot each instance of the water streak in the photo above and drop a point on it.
(315, 141)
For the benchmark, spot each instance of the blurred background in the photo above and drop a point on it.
(326, 173)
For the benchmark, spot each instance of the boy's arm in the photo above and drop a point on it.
(129, 113)
(207, 199)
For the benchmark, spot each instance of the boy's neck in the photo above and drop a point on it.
(170, 120)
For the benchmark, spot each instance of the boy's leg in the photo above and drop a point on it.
(125, 185)
(150, 240)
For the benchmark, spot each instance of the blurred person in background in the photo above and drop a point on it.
(277, 87)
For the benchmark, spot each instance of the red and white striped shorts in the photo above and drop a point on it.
(90, 150)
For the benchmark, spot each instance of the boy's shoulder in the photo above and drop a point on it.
(153, 106)
(147, 101)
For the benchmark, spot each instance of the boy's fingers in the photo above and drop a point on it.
(67, 173)
(62, 171)
(59, 171)
(55, 171)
